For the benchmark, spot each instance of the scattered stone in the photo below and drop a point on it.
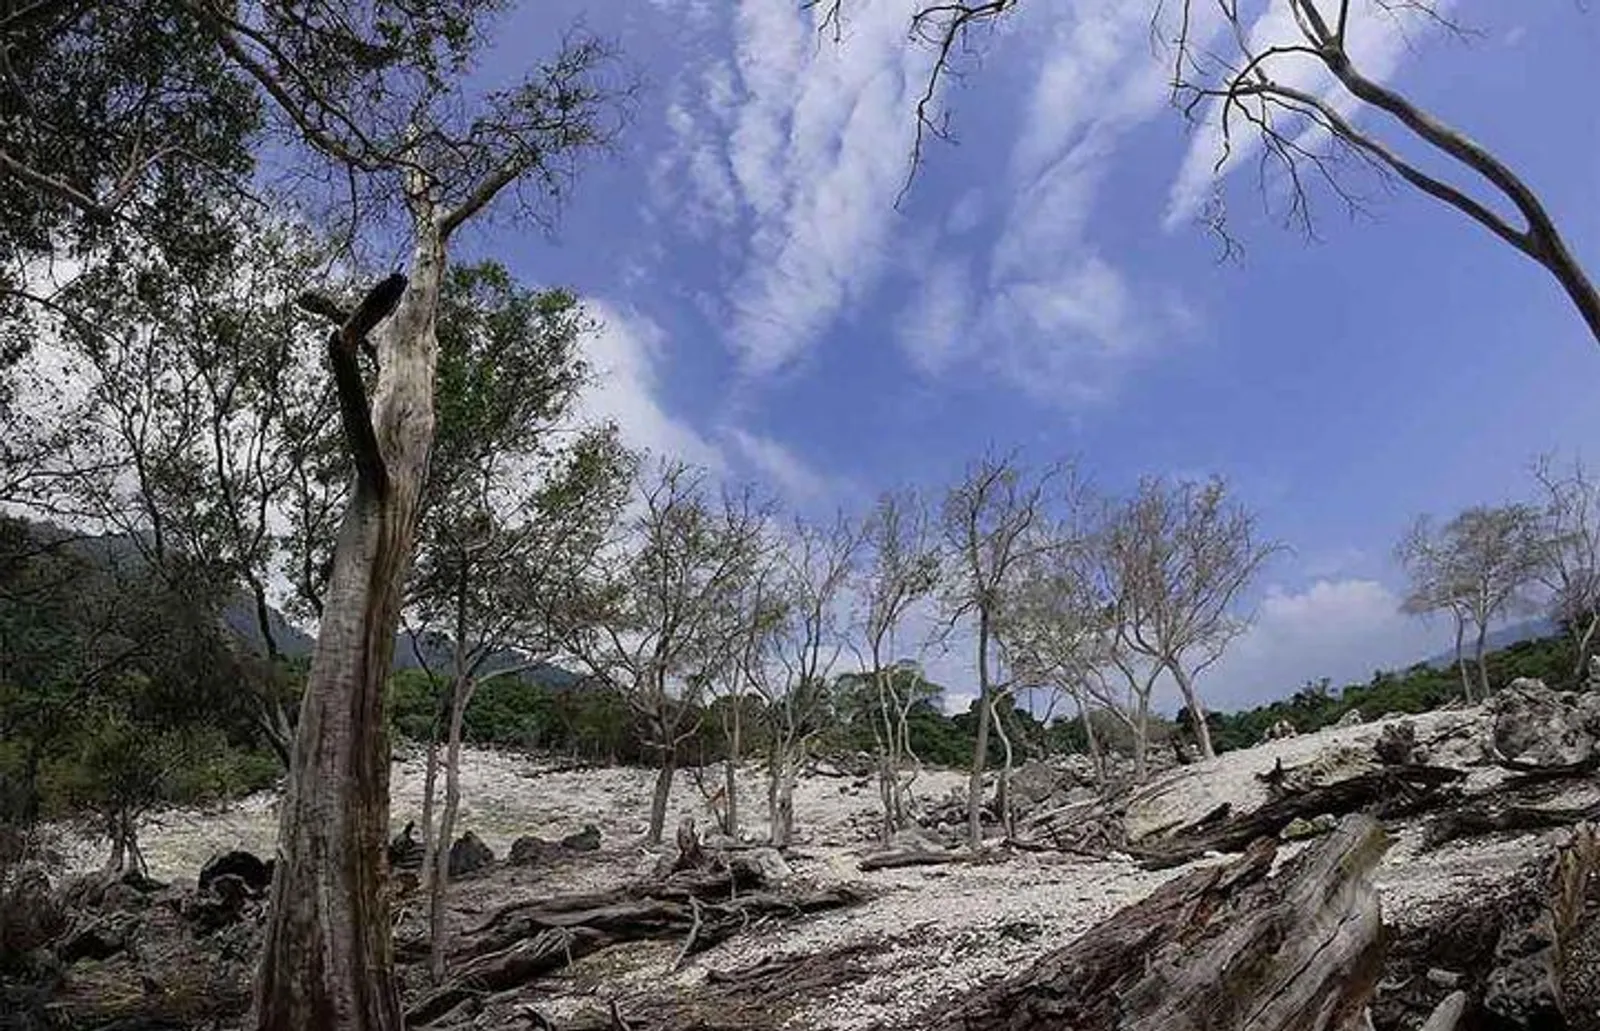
(530, 849)
(405, 851)
(1397, 745)
(586, 840)
(1279, 731)
(1536, 726)
(1447, 979)
(468, 855)
(1350, 719)
(760, 865)
(249, 869)
(1300, 828)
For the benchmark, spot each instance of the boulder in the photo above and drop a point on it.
(1536, 726)
(760, 866)
(405, 851)
(1397, 745)
(586, 840)
(1034, 782)
(251, 871)
(530, 849)
(468, 855)
(1350, 719)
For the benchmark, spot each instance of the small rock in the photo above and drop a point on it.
(1397, 745)
(1443, 978)
(526, 851)
(1279, 731)
(586, 840)
(1297, 829)
(1300, 828)
(249, 869)
(468, 855)
(764, 865)
(405, 851)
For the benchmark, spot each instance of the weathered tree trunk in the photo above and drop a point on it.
(980, 747)
(781, 770)
(1477, 656)
(327, 959)
(1221, 831)
(1461, 657)
(1091, 739)
(1585, 641)
(1197, 710)
(1225, 948)
(439, 881)
(662, 794)
(1002, 787)
(730, 770)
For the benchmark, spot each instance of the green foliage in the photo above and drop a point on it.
(1420, 688)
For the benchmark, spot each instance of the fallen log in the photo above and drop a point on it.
(1544, 966)
(1223, 947)
(910, 857)
(1489, 817)
(1395, 789)
(524, 942)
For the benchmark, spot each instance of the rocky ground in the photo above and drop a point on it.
(924, 933)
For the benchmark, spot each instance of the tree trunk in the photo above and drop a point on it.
(1093, 742)
(1141, 740)
(980, 747)
(663, 792)
(1197, 710)
(730, 771)
(1585, 640)
(439, 880)
(780, 793)
(1483, 671)
(1461, 657)
(327, 959)
(1002, 789)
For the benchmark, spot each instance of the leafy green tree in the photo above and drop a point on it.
(515, 510)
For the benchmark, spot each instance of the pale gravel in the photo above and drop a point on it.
(940, 927)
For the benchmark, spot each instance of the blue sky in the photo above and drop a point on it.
(770, 313)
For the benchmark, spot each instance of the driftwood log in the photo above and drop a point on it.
(896, 858)
(1223, 948)
(1394, 788)
(521, 942)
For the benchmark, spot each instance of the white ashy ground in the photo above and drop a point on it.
(938, 929)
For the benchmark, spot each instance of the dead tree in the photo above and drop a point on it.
(901, 571)
(660, 617)
(992, 522)
(1226, 74)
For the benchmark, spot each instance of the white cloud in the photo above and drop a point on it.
(623, 355)
(1378, 39)
(799, 482)
(811, 139)
(1056, 318)
(1340, 629)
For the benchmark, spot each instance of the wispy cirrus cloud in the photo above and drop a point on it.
(1048, 312)
(797, 146)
